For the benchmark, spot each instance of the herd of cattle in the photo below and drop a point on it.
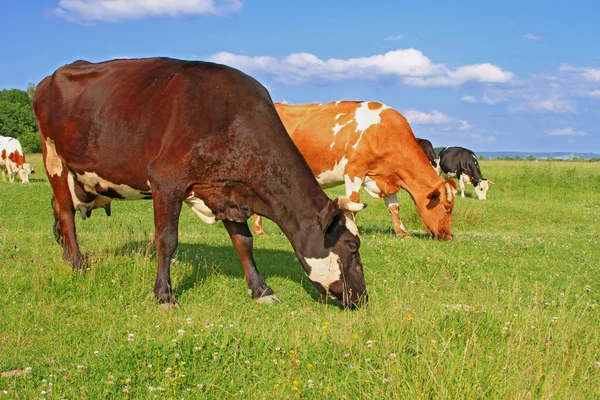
(209, 136)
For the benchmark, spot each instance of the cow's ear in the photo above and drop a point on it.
(434, 199)
(328, 215)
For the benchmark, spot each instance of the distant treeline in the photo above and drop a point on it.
(17, 119)
(530, 157)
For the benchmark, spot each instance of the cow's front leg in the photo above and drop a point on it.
(391, 202)
(167, 207)
(64, 221)
(242, 241)
(461, 181)
(352, 192)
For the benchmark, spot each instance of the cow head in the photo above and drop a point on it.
(24, 171)
(437, 219)
(481, 189)
(337, 270)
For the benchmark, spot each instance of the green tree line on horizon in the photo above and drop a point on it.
(17, 119)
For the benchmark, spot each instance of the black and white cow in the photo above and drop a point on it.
(462, 163)
(434, 159)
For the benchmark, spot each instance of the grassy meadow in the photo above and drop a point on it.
(509, 309)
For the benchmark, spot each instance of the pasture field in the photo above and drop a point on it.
(509, 309)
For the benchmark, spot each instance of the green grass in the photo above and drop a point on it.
(509, 309)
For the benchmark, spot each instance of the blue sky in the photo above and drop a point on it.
(510, 75)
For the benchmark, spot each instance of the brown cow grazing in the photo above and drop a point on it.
(197, 133)
(370, 145)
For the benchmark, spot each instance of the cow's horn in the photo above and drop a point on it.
(346, 204)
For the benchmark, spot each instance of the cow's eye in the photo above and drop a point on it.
(352, 245)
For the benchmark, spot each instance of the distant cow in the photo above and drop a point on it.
(430, 153)
(12, 160)
(462, 163)
(370, 145)
(197, 133)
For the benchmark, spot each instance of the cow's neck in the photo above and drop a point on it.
(297, 215)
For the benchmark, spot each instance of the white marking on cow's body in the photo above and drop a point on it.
(52, 161)
(338, 102)
(352, 184)
(338, 116)
(201, 209)
(71, 184)
(333, 177)
(365, 118)
(371, 187)
(91, 181)
(438, 169)
(324, 270)
(335, 130)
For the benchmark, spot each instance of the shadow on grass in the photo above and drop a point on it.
(206, 259)
(389, 231)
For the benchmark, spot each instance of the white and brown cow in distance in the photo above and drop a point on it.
(462, 163)
(370, 145)
(12, 160)
(189, 132)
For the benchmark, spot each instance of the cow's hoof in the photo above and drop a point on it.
(172, 305)
(271, 299)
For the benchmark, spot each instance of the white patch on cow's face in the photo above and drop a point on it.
(334, 177)
(351, 226)
(481, 189)
(91, 180)
(52, 162)
(371, 187)
(24, 172)
(326, 270)
(201, 210)
(365, 118)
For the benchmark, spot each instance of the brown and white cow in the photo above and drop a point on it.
(12, 160)
(370, 145)
(197, 133)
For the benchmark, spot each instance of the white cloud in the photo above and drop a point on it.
(531, 36)
(468, 99)
(117, 10)
(590, 74)
(410, 65)
(594, 93)
(435, 117)
(555, 103)
(565, 132)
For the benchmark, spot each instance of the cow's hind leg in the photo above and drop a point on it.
(257, 225)
(391, 202)
(64, 222)
(242, 241)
